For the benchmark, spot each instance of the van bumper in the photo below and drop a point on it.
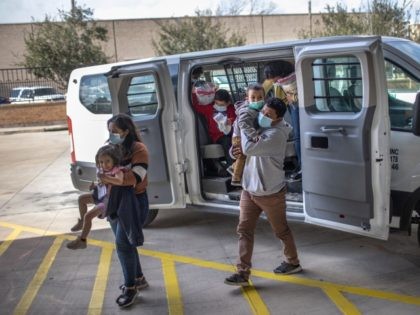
(82, 175)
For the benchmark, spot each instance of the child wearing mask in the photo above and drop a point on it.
(245, 110)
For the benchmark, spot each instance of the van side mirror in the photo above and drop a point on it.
(416, 115)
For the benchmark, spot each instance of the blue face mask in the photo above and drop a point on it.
(256, 105)
(264, 121)
(219, 108)
(115, 138)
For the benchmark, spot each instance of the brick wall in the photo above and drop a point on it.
(14, 115)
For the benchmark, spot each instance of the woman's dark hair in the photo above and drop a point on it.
(112, 151)
(124, 122)
(279, 68)
(255, 87)
(222, 95)
(278, 105)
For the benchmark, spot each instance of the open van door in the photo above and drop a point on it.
(145, 91)
(345, 135)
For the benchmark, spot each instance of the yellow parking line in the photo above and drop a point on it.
(98, 293)
(343, 304)
(173, 293)
(33, 287)
(254, 300)
(9, 240)
(323, 285)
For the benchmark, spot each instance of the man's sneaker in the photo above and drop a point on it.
(237, 279)
(127, 298)
(78, 243)
(78, 226)
(141, 283)
(287, 269)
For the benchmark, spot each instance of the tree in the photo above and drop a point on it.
(54, 49)
(238, 7)
(201, 32)
(382, 17)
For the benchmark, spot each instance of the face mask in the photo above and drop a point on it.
(256, 105)
(115, 138)
(219, 108)
(264, 121)
(205, 99)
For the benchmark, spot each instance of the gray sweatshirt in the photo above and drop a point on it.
(263, 173)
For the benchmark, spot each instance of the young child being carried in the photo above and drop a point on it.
(245, 111)
(107, 161)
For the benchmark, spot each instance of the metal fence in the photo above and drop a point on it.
(22, 77)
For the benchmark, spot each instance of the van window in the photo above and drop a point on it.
(142, 96)
(94, 94)
(337, 84)
(402, 90)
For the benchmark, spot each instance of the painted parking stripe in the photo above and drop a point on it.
(101, 280)
(343, 304)
(9, 240)
(37, 281)
(255, 302)
(332, 290)
(173, 293)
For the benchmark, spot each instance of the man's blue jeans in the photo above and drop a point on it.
(127, 253)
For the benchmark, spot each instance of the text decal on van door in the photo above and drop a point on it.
(394, 158)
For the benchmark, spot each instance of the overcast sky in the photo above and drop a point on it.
(22, 11)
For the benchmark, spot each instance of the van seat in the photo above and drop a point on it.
(208, 150)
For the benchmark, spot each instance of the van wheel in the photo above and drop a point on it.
(151, 216)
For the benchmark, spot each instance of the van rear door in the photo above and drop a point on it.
(345, 135)
(145, 91)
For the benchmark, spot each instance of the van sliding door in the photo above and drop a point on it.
(146, 93)
(345, 135)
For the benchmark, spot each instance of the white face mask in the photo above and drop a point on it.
(204, 99)
(219, 108)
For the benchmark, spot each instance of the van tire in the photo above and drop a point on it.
(151, 215)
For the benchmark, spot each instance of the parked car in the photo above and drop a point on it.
(4, 100)
(35, 94)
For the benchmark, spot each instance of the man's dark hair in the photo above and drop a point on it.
(222, 95)
(279, 68)
(278, 105)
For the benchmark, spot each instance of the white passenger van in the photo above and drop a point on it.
(360, 147)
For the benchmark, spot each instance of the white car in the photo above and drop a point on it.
(35, 94)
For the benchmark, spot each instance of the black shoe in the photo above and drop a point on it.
(127, 298)
(141, 283)
(287, 269)
(237, 279)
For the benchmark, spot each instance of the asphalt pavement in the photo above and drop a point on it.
(186, 255)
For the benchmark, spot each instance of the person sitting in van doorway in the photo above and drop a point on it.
(288, 84)
(264, 189)
(281, 83)
(219, 113)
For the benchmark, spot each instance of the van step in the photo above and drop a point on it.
(216, 185)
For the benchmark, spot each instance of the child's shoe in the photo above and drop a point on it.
(78, 243)
(78, 226)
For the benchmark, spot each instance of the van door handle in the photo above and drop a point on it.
(325, 129)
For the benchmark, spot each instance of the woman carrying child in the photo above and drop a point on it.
(127, 221)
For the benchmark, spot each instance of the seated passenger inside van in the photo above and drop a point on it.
(219, 114)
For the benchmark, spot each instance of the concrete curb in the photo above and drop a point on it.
(9, 131)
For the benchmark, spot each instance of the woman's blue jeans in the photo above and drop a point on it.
(127, 253)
